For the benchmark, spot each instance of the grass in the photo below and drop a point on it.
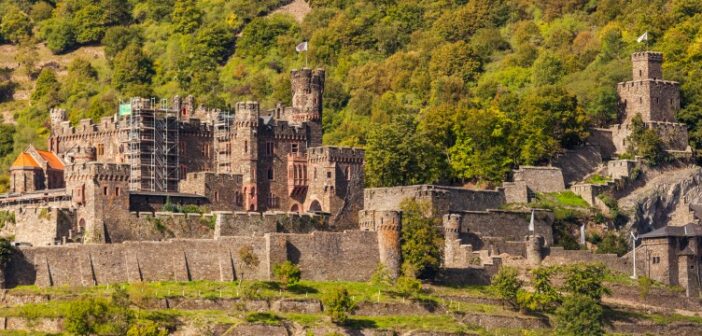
(597, 179)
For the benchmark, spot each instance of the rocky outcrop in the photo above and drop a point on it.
(664, 199)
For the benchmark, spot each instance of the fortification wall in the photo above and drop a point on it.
(350, 256)
(256, 223)
(673, 135)
(516, 192)
(508, 225)
(41, 226)
(559, 256)
(149, 226)
(602, 138)
(578, 163)
(321, 256)
(540, 179)
(443, 199)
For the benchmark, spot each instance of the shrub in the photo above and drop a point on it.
(408, 286)
(96, 317)
(287, 273)
(613, 243)
(338, 304)
(645, 284)
(579, 315)
(263, 318)
(381, 278)
(147, 328)
(544, 298)
(422, 242)
(506, 285)
(586, 280)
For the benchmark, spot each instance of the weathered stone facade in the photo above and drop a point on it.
(156, 155)
(655, 99)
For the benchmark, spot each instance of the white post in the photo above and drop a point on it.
(633, 252)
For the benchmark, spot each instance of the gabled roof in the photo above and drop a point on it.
(688, 230)
(51, 159)
(25, 160)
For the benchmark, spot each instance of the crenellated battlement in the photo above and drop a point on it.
(647, 56)
(97, 171)
(335, 154)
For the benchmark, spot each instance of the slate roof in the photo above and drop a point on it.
(688, 230)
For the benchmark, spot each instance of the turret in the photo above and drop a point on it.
(388, 224)
(247, 113)
(307, 90)
(647, 65)
(57, 116)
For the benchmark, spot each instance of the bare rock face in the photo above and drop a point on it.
(664, 200)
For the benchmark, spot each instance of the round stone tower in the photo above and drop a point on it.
(534, 249)
(452, 227)
(388, 225)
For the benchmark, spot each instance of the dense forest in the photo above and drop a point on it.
(450, 91)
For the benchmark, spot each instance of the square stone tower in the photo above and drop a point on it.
(648, 94)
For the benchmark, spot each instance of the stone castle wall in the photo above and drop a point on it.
(540, 179)
(578, 163)
(443, 199)
(320, 255)
(507, 225)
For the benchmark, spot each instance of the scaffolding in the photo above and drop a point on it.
(153, 131)
(223, 146)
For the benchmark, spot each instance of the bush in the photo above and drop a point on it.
(506, 285)
(544, 298)
(586, 280)
(97, 317)
(147, 328)
(579, 315)
(408, 286)
(338, 305)
(381, 278)
(422, 242)
(613, 243)
(287, 273)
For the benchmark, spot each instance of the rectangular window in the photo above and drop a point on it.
(269, 148)
(117, 191)
(104, 191)
(246, 146)
(329, 174)
(270, 174)
(294, 148)
(100, 150)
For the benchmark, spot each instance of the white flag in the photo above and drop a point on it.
(531, 222)
(301, 47)
(643, 37)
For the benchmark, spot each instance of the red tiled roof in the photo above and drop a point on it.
(51, 158)
(25, 160)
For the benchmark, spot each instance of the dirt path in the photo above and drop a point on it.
(298, 9)
(641, 306)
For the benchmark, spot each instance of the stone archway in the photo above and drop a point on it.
(315, 206)
(295, 208)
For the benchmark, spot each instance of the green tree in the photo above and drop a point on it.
(46, 89)
(132, 71)
(15, 25)
(586, 280)
(579, 315)
(7, 85)
(645, 142)
(117, 38)
(59, 35)
(186, 16)
(506, 284)
(484, 145)
(544, 297)
(7, 142)
(422, 242)
(338, 305)
(613, 243)
(397, 154)
(147, 328)
(287, 273)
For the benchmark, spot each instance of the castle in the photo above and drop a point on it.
(156, 154)
(263, 179)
